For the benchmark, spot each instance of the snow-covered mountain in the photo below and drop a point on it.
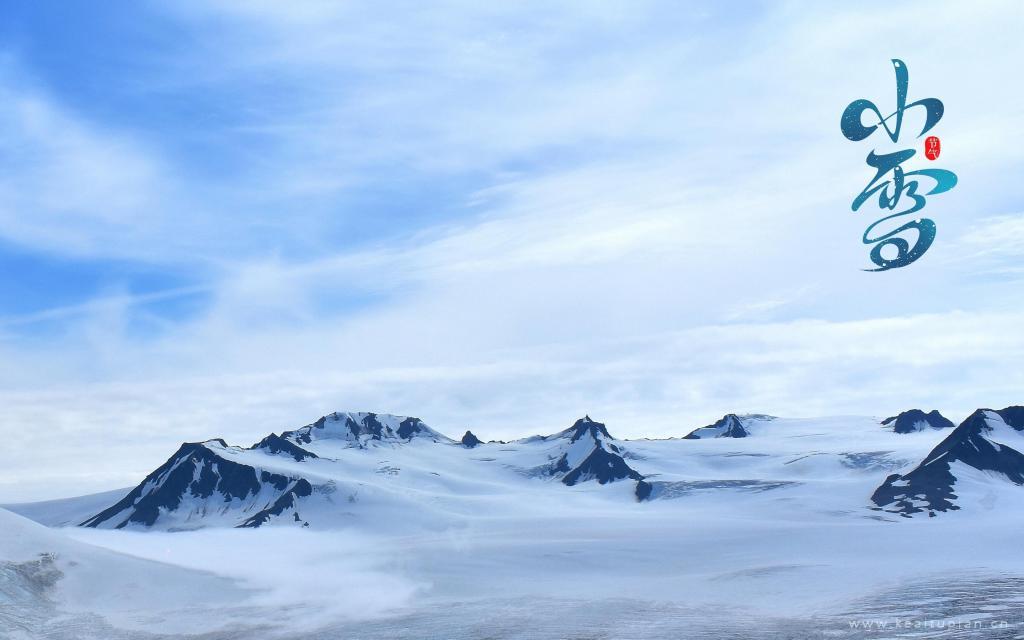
(729, 426)
(586, 451)
(359, 467)
(409, 518)
(987, 447)
(207, 479)
(283, 476)
(916, 420)
(365, 430)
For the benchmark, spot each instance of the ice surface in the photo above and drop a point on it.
(769, 535)
(46, 575)
(66, 511)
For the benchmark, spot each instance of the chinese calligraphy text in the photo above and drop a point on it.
(898, 190)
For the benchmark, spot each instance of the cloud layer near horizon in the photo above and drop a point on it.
(489, 218)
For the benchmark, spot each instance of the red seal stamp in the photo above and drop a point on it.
(932, 147)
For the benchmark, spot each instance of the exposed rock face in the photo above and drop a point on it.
(916, 420)
(729, 426)
(988, 440)
(590, 453)
(199, 478)
(364, 429)
(276, 444)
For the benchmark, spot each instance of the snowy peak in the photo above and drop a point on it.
(211, 482)
(729, 426)
(587, 429)
(987, 440)
(587, 452)
(347, 465)
(202, 480)
(916, 420)
(364, 429)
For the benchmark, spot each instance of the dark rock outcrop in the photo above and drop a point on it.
(288, 500)
(916, 420)
(979, 443)
(362, 429)
(276, 444)
(729, 426)
(590, 453)
(196, 472)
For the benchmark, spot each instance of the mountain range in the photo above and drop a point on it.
(347, 466)
(987, 443)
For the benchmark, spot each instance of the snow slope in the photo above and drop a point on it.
(350, 465)
(66, 511)
(43, 572)
(348, 468)
(986, 449)
(736, 537)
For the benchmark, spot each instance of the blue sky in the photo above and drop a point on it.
(227, 218)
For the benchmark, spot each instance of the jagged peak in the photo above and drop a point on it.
(980, 420)
(728, 426)
(913, 420)
(196, 471)
(976, 424)
(978, 442)
(587, 452)
(363, 428)
(586, 426)
(469, 440)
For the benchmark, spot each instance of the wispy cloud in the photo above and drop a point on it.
(501, 218)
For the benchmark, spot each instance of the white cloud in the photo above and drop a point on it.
(66, 186)
(640, 188)
(658, 384)
(996, 235)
